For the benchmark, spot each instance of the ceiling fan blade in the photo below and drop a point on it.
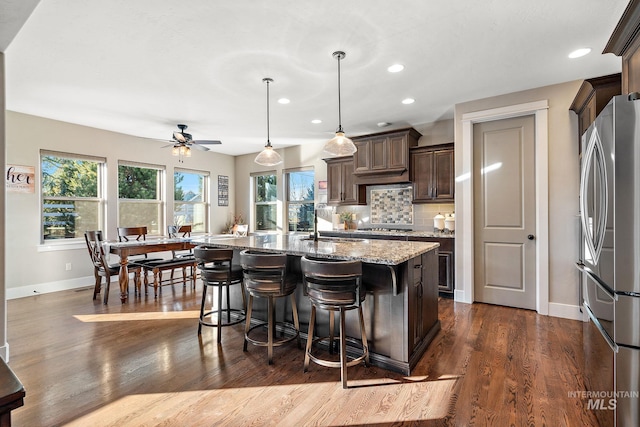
(199, 147)
(168, 145)
(207, 141)
(180, 137)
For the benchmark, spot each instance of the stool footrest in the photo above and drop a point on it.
(238, 315)
(285, 326)
(336, 364)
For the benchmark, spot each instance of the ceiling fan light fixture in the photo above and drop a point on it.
(340, 145)
(268, 156)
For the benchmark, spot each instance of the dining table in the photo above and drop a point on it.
(138, 247)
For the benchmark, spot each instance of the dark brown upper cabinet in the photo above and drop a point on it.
(592, 97)
(341, 189)
(625, 42)
(432, 173)
(383, 158)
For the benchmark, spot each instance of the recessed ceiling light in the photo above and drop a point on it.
(408, 101)
(579, 52)
(395, 68)
(383, 124)
(283, 101)
(316, 121)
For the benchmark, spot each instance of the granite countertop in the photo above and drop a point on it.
(407, 233)
(370, 251)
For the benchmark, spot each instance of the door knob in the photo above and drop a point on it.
(530, 237)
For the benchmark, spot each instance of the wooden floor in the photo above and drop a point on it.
(142, 364)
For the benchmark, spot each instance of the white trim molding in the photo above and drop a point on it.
(539, 109)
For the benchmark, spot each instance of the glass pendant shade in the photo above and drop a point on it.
(268, 156)
(340, 145)
(175, 150)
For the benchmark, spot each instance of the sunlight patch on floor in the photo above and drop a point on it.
(152, 315)
(426, 400)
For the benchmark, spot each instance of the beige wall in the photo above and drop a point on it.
(33, 267)
(563, 184)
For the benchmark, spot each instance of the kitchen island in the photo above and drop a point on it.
(400, 277)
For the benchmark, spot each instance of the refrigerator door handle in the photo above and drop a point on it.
(601, 284)
(597, 324)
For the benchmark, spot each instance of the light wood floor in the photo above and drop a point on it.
(142, 364)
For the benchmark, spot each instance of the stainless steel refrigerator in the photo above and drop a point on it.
(610, 218)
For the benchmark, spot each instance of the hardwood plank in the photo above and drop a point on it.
(143, 364)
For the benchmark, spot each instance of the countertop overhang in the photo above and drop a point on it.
(386, 252)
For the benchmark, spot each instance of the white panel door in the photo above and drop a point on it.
(504, 214)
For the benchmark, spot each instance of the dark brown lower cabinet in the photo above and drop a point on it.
(446, 266)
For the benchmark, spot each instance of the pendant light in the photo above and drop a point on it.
(340, 145)
(268, 156)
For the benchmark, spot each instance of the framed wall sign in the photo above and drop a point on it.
(20, 179)
(223, 190)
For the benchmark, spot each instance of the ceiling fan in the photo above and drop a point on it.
(183, 139)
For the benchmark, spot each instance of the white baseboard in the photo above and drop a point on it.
(44, 288)
(565, 311)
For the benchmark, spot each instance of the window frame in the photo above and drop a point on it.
(160, 195)
(100, 193)
(206, 182)
(287, 197)
(255, 203)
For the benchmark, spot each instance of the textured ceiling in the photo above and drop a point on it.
(140, 67)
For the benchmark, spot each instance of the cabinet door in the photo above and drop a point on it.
(378, 154)
(415, 302)
(444, 182)
(361, 157)
(334, 184)
(397, 152)
(350, 190)
(422, 171)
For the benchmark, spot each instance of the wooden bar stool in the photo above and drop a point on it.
(265, 276)
(217, 270)
(335, 286)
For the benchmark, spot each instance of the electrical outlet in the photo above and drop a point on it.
(68, 266)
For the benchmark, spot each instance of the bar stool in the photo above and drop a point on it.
(335, 286)
(216, 269)
(265, 276)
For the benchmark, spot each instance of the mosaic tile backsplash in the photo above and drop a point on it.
(392, 206)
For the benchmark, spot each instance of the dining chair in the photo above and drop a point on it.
(101, 266)
(183, 231)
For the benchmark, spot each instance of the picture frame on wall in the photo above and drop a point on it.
(223, 190)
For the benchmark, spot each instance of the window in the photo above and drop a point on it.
(300, 200)
(140, 197)
(265, 198)
(71, 195)
(190, 199)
